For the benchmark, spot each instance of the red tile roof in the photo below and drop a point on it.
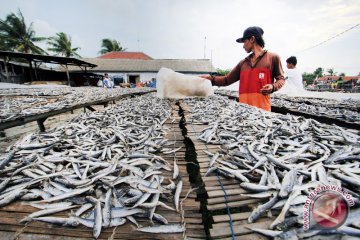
(325, 78)
(335, 78)
(351, 78)
(126, 55)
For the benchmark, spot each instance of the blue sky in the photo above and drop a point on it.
(177, 28)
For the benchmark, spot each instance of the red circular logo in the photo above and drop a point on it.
(329, 210)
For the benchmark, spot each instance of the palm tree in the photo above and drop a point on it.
(331, 72)
(2, 45)
(17, 36)
(61, 45)
(109, 45)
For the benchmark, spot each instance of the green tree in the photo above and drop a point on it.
(222, 72)
(342, 74)
(309, 77)
(319, 72)
(61, 45)
(110, 45)
(2, 45)
(17, 36)
(331, 72)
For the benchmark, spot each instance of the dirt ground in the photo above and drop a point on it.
(14, 134)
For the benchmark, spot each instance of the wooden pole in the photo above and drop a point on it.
(31, 71)
(6, 70)
(41, 125)
(67, 74)
(35, 72)
(12, 69)
(1, 71)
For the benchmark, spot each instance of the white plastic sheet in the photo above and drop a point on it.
(170, 84)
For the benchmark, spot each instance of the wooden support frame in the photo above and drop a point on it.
(90, 108)
(41, 125)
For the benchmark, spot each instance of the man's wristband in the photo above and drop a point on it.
(212, 78)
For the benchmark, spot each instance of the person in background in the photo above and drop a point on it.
(294, 84)
(293, 74)
(107, 81)
(152, 83)
(256, 72)
(139, 84)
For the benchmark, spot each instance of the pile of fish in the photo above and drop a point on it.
(28, 90)
(349, 104)
(321, 107)
(103, 168)
(24, 102)
(346, 110)
(280, 160)
(229, 93)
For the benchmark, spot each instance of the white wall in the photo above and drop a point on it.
(144, 76)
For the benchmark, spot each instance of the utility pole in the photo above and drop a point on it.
(211, 60)
(205, 48)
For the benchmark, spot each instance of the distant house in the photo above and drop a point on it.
(336, 78)
(342, 82)
(126, 55)
(139, 70)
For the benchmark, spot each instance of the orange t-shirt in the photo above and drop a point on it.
(253, 77)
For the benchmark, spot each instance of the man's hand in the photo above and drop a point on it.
(205, 76)
(267, 89)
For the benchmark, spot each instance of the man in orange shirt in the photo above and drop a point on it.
(256, 72)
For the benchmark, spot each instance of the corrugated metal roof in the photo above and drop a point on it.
(128, 65)
(125, 55)
(47, 59)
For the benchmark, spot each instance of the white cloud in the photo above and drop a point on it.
(43, 28)
(176, 28)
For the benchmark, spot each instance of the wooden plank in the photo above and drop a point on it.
(251, 236)
(240, 223)
(241, 216)
(219, 193)
(232, 198)
(195, 234)
(75, 233)
(194, 220)
(224, 182)
(226, 187)
(231, 204)
(234, 217)
(214, 177)
(27, 236)
(221, 231)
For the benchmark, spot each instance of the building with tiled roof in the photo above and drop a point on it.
(137, 70)
(340, 82)
(336, 78)
(126, 55)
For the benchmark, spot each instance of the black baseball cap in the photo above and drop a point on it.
(249, 32)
